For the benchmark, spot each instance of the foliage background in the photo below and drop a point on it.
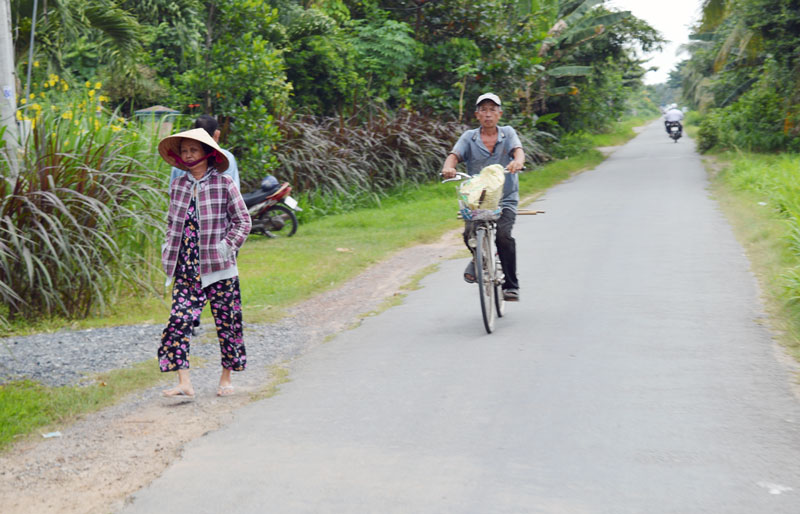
(743, 75)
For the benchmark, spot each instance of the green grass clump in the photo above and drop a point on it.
(26, 406)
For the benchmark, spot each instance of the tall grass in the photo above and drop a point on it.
(82, 218)
(771, 188)
(343, 163)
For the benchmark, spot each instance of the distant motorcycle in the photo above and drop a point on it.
(271, 209)
(674, 129)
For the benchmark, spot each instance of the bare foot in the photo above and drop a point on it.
(177, 392)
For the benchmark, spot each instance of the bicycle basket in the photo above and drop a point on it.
(484, 190)
(478, 214)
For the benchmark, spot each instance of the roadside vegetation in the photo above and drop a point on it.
(760, 194)
(742, 82)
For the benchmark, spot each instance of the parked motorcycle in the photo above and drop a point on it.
(272, 209)
(674, 129)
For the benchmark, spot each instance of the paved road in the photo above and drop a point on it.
(635, 376)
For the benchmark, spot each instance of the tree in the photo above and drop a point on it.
(112, 31)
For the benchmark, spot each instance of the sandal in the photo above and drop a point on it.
(469, 273)
(225, 390)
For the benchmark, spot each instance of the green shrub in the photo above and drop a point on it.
(708, 133)
(755, 122)
(570, 144)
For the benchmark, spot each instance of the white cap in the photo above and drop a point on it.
(488, 96)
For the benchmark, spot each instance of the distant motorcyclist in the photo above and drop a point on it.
(673, 115)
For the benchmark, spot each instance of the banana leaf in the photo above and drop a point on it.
(570, 71)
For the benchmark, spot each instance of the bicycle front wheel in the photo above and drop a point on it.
(484, 270)
(499, 278)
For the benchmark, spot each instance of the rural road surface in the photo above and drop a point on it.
(635, 376)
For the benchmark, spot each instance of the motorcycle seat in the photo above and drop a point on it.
(255, 197)
(271, 190)
(260, 195)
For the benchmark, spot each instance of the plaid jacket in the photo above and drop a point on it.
(222, 216)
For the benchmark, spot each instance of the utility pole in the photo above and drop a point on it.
(8, 86)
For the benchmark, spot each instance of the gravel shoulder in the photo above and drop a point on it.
(106, 456)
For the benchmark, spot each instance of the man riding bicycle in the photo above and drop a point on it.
(477, 148)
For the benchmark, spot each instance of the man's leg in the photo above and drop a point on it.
(469, 271)
(507, 248)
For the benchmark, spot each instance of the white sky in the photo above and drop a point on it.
(670, 17)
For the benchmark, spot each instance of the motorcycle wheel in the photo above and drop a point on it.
(283, 213)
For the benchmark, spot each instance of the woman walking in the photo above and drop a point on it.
(207, 223)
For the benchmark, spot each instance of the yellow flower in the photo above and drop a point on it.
(35, 64)
(103, 98)
(96, 125)
(32, 96)
(23, 101)
(19, 115)
(91, 92)
(67, 115)
(98, 85)
(46, 84)
(36, 107)
(64, 86)
(41, 94)
(115, 128)
(33, 123)
(88, 84)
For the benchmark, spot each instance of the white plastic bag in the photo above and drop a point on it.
(484, 190)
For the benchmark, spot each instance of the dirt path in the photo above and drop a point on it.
(108, 455)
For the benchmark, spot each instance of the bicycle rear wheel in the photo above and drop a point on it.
(484, 276)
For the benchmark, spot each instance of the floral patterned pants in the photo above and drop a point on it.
(226, 307)
(188, 300)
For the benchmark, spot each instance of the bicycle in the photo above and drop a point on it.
(488, 269)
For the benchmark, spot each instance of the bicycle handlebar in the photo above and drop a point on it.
(460, 175)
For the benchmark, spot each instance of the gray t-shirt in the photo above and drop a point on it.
(473, 153)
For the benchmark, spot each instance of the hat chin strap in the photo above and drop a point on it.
(178, 160)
